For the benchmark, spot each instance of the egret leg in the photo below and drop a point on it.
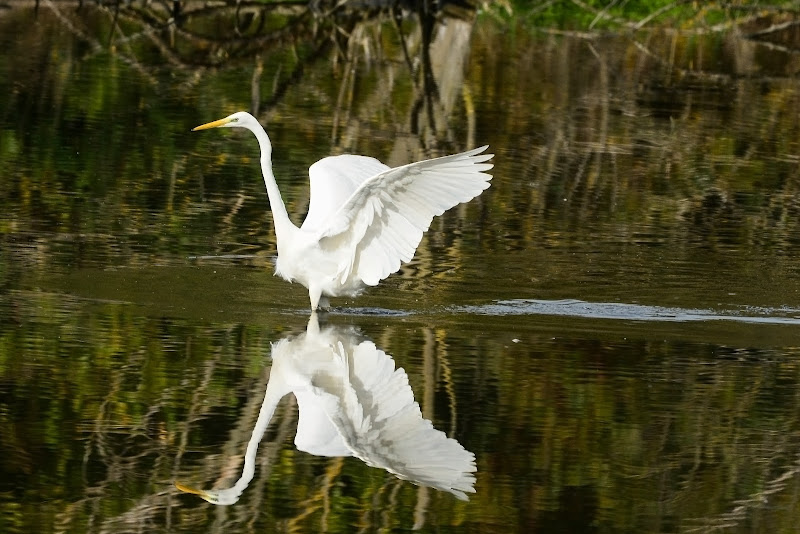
(315, 295)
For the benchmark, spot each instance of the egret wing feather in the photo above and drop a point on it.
(383, 426)
(316, 434)
(381, 224)
(334, 180)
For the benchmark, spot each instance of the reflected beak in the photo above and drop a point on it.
(187, 489)
(215, 124)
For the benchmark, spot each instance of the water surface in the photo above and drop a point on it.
(612, 328)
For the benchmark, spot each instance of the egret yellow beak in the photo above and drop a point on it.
(215, 124)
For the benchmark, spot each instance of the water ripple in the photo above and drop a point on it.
(631, 312)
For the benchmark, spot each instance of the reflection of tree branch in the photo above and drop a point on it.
(430, 91)
(255, 86)
(162, 26)
(397, 18)
(236, 47)
(297, 74)
(126, 451)
(757, 500)
(345, 91)
(711, 76)
(658, 12)
(320, 499)
(775, 46)
(773, 28)
(113, 25)
(601, 13)
(71, 27)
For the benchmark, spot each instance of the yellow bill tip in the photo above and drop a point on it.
(187, 489)
(214, 124)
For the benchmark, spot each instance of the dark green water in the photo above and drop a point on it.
(612, 328)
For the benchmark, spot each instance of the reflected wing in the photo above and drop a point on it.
(383, 426)
(333, 180)
(316, 434)
(381, 224)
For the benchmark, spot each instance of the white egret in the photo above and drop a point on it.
(353, 402)
(364, 219)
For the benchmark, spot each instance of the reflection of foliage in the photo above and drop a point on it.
(654, 145)
(102, 408)
(644, 141)
(70, 122)
(145, 401)
(674, 433)
(627, 15)
(620, 133)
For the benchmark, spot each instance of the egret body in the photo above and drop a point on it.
(365, 219)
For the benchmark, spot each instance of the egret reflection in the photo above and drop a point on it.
(352, 401)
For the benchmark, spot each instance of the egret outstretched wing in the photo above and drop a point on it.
(364, 219)
(380, 226)
(333, 180)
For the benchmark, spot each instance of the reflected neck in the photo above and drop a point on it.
(275, 391)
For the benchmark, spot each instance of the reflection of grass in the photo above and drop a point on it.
(657, 146)
(633, 14)
(667, 108)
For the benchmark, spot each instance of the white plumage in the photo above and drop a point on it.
(353, 402)
(365, 219)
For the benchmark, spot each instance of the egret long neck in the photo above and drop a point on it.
(279, 214)
(275, 391)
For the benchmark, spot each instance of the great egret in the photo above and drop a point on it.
(353, 402)
(364, 218)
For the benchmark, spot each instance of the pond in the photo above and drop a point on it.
(612, 329)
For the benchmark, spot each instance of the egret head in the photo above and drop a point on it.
(240, 119)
